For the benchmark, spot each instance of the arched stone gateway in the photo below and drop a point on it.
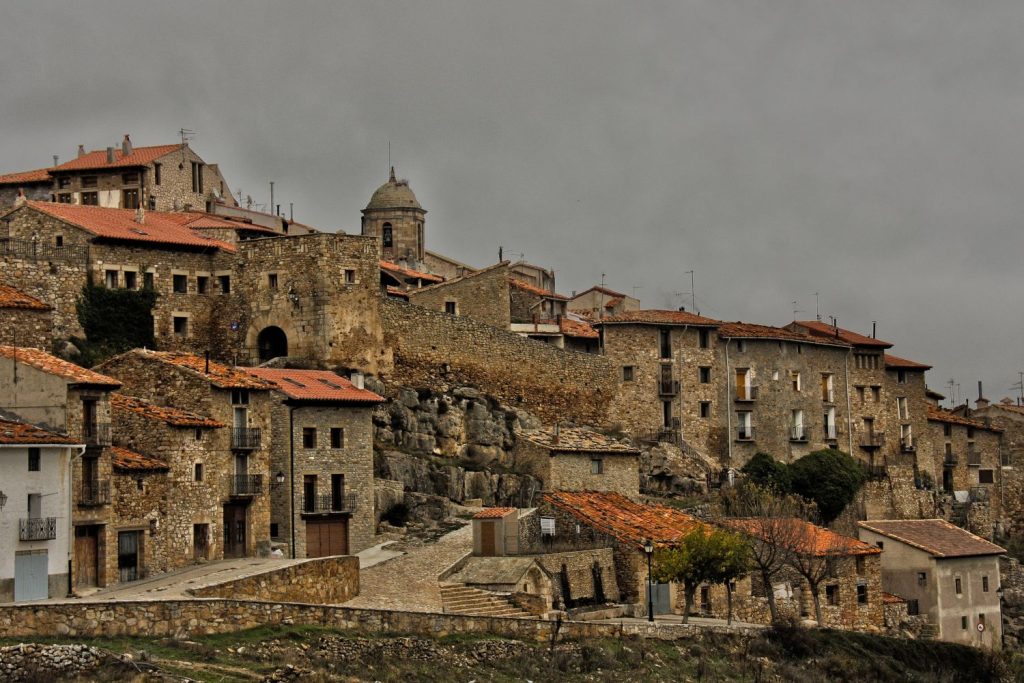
(272, 342)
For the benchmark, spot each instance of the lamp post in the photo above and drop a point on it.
(3, 500)
(649, 551)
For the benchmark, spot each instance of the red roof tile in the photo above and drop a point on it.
(409, 272)
(577, 440)
(602, 290)
(936, 414)
(890, 599)
(903, 364)
(740, 330)
(494, 513)
(808, 538)
(820, 329)
(658, 317)
(168, 415)
(936, 537)
(125, 459)
(400, 293)
(219, 375)
(534, 289)
(612, 303)
(15, 433)
(314, 385)
(15, 298)
(140, 156)
(40, 175)
(41, 360)
(120, 224)
(578, 328)
(615, 515)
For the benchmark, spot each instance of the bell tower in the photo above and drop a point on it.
(395, 218)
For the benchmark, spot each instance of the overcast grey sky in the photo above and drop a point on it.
(872, 151)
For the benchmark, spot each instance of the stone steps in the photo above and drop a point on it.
(457, 599)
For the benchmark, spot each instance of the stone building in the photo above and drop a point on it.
(482, 295)
(35, 495)
(578, 459)
(322, 501)
(1009, 417)
(163, 506)
(35, 184)
(27, 321)
(944, 572)
(395, 218)
(236, 463)
(600, 302)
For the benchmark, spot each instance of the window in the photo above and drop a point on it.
(350, 276)
(860, 394)
(309, 437)
(272, 280)
(198, 434)
(180, 326)
(197, 178)
(981, 619)
(963, 623)
(88, 181)
(986, 477)
(947, 429)
(901, 408)
(796, 426)
(745, 431)
(913, 608)
(880, 544)
(666, 414)
(832, 595)
(64, 182)
(876, 394)
(665, 343)
(131, 178)
(337, 437)
(901, 376)
(794, 380)
(180, 284)
(148, 280)
(33, 459)
(862, 594)
(958, 586)
(239, 397)
(110, 278)
(274, 530)
(202, 284)
(58, 240)
(309, 492)
(859, 564)
(596, 466)
(451, 307)
(131, 279)
(151, 203)
(156, 173)
(984, 584)
(130, 199)
(704, 338)
(922, 579)
(827, 394)
(337, 491)
(90, 199)
(627, 373)
(705, 409)
(829, 420)
(388, 236)
(64, 198)
(547, 526)
(906, 437)
(225, 283)
(198, 472)
(705, 375)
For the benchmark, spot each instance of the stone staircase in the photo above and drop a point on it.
(929, 632)
(461, 599)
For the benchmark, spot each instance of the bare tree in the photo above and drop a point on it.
(817, 554)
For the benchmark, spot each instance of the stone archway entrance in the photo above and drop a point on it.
(271, 342)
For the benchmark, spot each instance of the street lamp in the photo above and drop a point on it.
(649, 551)
(3, 500)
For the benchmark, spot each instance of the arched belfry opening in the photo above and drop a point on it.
(272, 342)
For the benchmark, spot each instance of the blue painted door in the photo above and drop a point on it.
(31, 581)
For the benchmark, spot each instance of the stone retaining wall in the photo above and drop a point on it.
(322, 580)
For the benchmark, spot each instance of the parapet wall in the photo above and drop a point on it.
(323, 580)
(437, 350)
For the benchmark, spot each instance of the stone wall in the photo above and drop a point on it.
(482, 296)
(320, 581)
(571, 471)
(440, 351)
(581, 568)
(26, 327)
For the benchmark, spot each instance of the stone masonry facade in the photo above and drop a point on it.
(482, 296)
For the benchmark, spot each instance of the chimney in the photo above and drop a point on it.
(140, 216)
(558, 433)
(682, 309)
(81, 151)
(982, 401)
(21, 198)
(874, 329)
(55, 159)
(110, 155)
(126, 145)
(358, 380)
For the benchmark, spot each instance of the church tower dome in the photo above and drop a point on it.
(395, 217)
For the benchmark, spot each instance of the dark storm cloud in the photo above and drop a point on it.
(869, 151)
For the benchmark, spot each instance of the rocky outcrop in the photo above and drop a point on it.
(1011, 578)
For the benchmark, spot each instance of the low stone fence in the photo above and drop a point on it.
(189, 618)
(33, 662)
(321, 580)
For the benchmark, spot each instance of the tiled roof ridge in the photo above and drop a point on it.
(127, 459)
(314, 385)
(97, 158)
(743, 330)
(903, 363)
(534, 289)
(657, 316)
(36, 175)
(599, 288)
(234, 378)
(12, 297)
(819, 328)
(17, 432)
(167, 414)
(52, 365)
(937, 414)
(410, 272)
(872, 525)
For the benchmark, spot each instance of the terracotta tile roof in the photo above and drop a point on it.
(15, 298)
(890, 599)
(314, 385)
(197, 221)
(534, 289)
(166, 414)
(615, 515)
(936, 414)
(577, 440)
(220, 375)
(820, 329)
(40, 175)
(658, 317)
(140, 156)
(15, 433)
(120, 224)
(466, 276)
(936, 537)
(810, 538)
(601, 290)
(578, 328)
(400, 293)
(125, 459)
(612, 303)
(931, 393)
(892, 361)
(494, 513)
(741, 330)
(409, 272)
(41, 360)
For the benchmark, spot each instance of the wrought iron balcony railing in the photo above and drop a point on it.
(245, 438)
(96, 434)
(37, 529)
(744, 433)
(797, 434)
(246, 484)
(746, 393)
(94, 493)
(326, 503)
(668, 388)
(872, 440)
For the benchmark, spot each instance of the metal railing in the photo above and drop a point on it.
(96, 434)
(744, 433)
(875, 472)
(93, 493)
(949, 460)
(830, 433)
(827, 396)
(37, 528)
(325, 503)
(745, 393)
(973, 458)
(246, 484)
(37, 251)
(668, 388)
(908, 445)
(797, 434)
(245, 438)
(872, 441)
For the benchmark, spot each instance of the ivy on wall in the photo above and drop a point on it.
(114, 320)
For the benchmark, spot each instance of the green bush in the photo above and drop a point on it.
(114, 320)
(829, 478)
(768, 473)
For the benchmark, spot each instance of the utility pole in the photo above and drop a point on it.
(817, 308)
(271, 196)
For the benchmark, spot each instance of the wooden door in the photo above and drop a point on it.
(87, 556)
(487, 543)
(234, 530)
(326, 537)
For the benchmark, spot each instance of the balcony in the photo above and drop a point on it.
(907, 446)
(96, 434)
(744, 433)
(875, 472)
(872, 441)
(94, 493)
(245, 438)
(973, 459)
(745, 394)
(798, 434)
(668, 388)
(326, 504)
(243, 485)
(827, 396)
(949, 460)
(830, 433)
(37, 529)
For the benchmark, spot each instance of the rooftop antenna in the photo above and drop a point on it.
(795, 310)
(636, 287)
(693, 292)
(389, 155)
(271, 196)
(952, 385)
(817, 308)
(186, 135)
